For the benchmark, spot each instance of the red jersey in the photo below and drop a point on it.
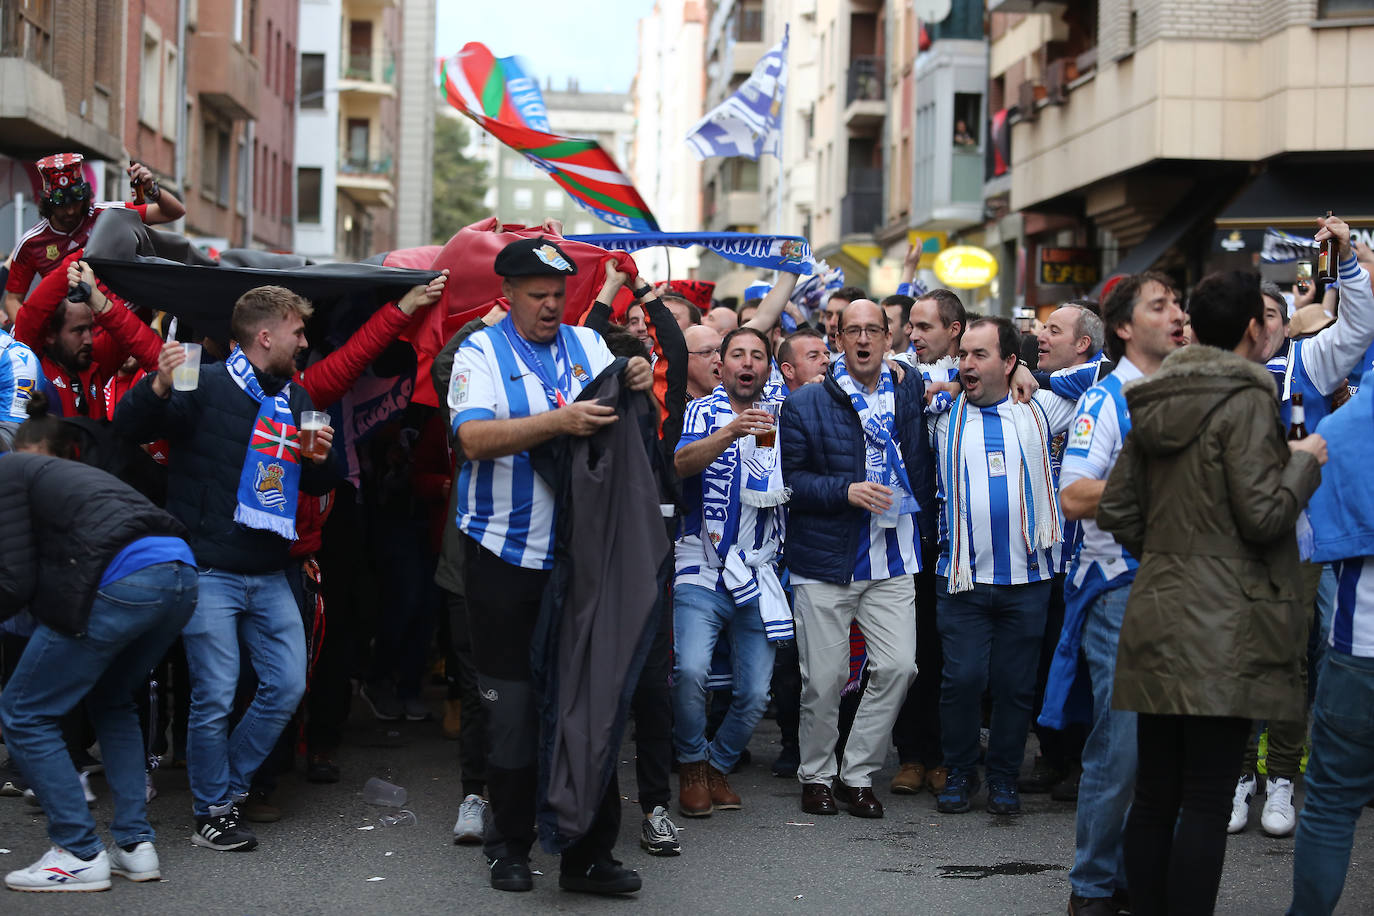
(43, 248)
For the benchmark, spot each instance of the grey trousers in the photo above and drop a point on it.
(885, 610)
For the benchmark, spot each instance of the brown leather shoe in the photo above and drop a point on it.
(909, 779)
(936, 779)
(858, 800)
(723, 798)
(817, 799)
(694, 794)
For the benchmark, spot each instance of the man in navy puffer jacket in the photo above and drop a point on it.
(862, 481)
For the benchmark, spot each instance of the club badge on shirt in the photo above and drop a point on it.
(997, 464)
(580, 373)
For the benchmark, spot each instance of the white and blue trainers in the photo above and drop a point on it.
(59, 870)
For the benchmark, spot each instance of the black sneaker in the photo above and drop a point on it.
(511, 873)
(1066, 790)
(1044, 777)
(223, 832)
(608, 877)
(787, 763)
(321, 769)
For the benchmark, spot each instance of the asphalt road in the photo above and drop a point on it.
(767, 858)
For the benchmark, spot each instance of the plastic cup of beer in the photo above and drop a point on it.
(312, 421)
(770, 438)
(186, 377)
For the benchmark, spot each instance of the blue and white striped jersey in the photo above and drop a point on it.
(760, 530)
(20, 376)
(1071, 381)
(994, 482)
(1352, 627)
(1100, 424)
(503, 504)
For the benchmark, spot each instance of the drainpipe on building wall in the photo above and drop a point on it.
(248, 211)
(183, 142)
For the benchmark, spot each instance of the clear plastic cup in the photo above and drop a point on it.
(380, 792)
(312, 421)
(186, 377)
(770, 438)
(401, 818)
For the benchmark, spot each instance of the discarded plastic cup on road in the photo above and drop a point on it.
(380, 792)
(402, 818)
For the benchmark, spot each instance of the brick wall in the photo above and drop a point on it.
(155, 144)
(1212, 19)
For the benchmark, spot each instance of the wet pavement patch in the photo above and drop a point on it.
(1001, 869)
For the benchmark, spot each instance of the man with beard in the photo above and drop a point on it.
(725, 577)
(68, 214)
(854, 455)
(82, 344)
(236, 469)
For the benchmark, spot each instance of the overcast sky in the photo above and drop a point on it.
(592, 40)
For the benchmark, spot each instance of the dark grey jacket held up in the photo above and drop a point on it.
(61, 523)
(209, 430)
(823, 452)
(594, 632)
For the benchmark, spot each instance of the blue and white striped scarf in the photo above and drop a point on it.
(877, 416)
(727, 484)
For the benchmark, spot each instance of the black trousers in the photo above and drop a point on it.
(349, 590)
(917, 729)
(1060, 747)
(786, 689)
(652, 707)
(1176, 832)
(503, 606)
(462, 674)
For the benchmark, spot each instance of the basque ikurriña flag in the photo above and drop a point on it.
(504, 101)
(276, 440)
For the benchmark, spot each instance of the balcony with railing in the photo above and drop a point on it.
(368, 73)
(865, 93)
(365, 176)
(861, 209)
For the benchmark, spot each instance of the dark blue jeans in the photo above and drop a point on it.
(1340, 781)
(991, 639)
(133, 621)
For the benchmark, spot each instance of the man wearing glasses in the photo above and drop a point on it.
(859, 472)
(703, 360)
(69, 213)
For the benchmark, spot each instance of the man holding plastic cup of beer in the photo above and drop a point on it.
(244, 443)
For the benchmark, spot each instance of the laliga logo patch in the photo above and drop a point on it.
(1082, 433)
(550, 256)
(267, 485)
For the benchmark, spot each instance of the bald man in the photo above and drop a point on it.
(703, 360)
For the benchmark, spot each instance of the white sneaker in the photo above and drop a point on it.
(1279, 818)
(59, 870)
(472, 819)
(139, 865)
(1240, 804)
(32, 799)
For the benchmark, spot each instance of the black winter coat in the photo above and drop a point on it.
(61, 523)
(209, 430)
(823, 453)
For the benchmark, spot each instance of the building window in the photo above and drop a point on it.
(150, 80)
(749, 21)
(582, 227)
(214, 162)
(359, 135)
(519, 167)
(243, 176)
(289, 91)
(524, 198)
(267, 69)
(359, 65)
(286, 195)
(169, 93)
(312, 80)
(1339, 9)
(553, 199)
(252, 26)
(968, 107)
(309, 187)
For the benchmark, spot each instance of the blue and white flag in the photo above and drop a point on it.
(1281, 247)
(776, 252)
(748, 123)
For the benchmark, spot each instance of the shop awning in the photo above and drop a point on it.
(1292, 196)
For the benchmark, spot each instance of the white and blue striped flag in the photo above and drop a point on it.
(748, 123)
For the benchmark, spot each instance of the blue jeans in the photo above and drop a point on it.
(1340, 780)
(1109, 759)
(260, 612)
(133, 621)
(991, 639)
(1319, 637)
(699, 617)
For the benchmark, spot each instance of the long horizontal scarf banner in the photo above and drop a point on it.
(791, 253)
(1281, 247)
(497, 95)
